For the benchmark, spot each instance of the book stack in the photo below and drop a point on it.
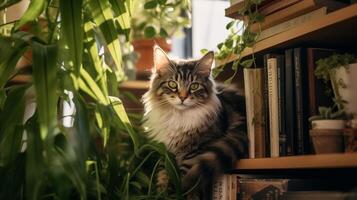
(280, 98)
(283, 15)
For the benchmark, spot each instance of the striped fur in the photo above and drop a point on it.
(208, 134)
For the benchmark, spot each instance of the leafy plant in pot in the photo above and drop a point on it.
(155, 22)
(99, 155)
(327, 130)
(341, 71)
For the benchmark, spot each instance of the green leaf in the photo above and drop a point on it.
(34, 10)
(103, 18)
(149, 32)
(72, 30)
(11, 129)
(204, 51)
(220, 45)
(45, 80)
(163, 33)
(122, 15)
(121, 114)
(230, 24)
(162, 2)
(7, 3)
(228, 43)
(11, 49)
(150, 4)
(247, 63)
(93, 87)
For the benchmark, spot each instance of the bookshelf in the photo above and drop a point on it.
(335, 30)
(327, 161)
(322, 31)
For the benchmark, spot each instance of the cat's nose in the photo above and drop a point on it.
(183, 95)
(183, 98)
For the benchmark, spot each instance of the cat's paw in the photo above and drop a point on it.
(162, 180)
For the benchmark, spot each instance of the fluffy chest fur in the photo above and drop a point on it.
(179, 128)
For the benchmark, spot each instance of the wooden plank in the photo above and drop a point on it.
(144, 85)
(308, 32)
(347, 160)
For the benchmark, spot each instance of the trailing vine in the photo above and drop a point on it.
(240, 37)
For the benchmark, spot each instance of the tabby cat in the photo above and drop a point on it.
(201, 123)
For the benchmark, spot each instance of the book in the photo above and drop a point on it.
(254, 91)
(275, 6)
(289, 24)
(301, 102)
(233, 2)
(225, 187)
(317, 87)
(289, 101)
(266, 107)
(266, 189)
(295, 10)
(281, 104)
(272, 77)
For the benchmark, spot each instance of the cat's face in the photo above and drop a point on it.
(181, 84)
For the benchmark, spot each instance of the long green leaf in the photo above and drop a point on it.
(122, 116)
(35, 165)
(72, 30)
(11, 129)
(45, 80)
(11, 49)
(100, 97)
(103, 18)
(122, 15)
(96, 62)
(34, 10)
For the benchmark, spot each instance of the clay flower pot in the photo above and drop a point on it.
(327, 140)
(144, 47)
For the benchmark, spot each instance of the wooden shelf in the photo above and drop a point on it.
(324, 31)
(135, 85)
(343, 160)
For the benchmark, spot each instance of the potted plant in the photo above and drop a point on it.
(341, 71)
(155, 22)
(43, 157)
(327, 130)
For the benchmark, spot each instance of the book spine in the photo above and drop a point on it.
(247, 73)
(273, 106)
(266, 107)
(289, 102)
(302, 134)
(281, 105)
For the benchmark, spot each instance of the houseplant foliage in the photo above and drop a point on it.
(239, 38)
(100, 155)
(160, 18)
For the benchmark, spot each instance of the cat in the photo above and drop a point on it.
(200, 122)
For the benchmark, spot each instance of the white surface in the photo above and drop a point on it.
(208, 25)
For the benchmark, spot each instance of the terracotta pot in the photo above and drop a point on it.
(327, 140)
(144, 47)
(328, 124)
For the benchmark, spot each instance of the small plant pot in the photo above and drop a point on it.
(327, 140)
(328, 124)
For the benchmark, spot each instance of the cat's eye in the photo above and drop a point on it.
(194, 86)
(172, 84)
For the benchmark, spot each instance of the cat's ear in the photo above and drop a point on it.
(162, 62)
(205, 64)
